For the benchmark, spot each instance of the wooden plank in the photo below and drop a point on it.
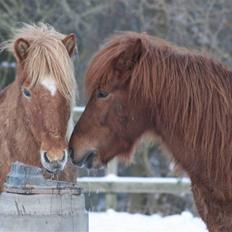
(115, 184)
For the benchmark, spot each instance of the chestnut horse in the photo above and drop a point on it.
(36, 109)
(138, 84)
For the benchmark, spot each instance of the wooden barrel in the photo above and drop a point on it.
(31, 203)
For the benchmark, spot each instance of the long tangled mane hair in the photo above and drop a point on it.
(46, 56)
(190, 92)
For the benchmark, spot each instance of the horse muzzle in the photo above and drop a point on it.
(53, 165)
(88, 160)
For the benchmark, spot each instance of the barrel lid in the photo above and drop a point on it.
(27, 179)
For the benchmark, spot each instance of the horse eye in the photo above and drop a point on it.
(26, 93)
(102, 94)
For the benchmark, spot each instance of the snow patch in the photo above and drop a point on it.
(124, 222)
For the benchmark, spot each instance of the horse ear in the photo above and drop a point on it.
(130, 57)
(21, 47)
(70, 43)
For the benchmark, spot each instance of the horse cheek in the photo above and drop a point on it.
(33, 119)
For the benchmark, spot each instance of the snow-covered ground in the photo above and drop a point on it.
(112, 221)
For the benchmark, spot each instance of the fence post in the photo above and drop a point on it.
(111, 198)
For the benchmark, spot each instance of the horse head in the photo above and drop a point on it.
(46, 83)
(113, 119)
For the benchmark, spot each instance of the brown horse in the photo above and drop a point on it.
(36, 109)
(139, 84)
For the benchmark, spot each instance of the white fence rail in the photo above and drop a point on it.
(114, 184)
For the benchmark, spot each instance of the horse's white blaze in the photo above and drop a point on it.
(50, 85)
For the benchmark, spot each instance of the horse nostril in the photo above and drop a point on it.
(63, 158)
(46, 157)
(71, 153)
(90, 156)
(86, 160)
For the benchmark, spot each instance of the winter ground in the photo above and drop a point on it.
(112, 221)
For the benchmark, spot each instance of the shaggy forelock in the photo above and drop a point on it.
(47, 55)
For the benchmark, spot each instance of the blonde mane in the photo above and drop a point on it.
(47, 55)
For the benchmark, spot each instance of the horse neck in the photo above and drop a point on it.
(183, 117)
(21, 145)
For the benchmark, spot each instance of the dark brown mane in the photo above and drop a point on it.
(187, 89)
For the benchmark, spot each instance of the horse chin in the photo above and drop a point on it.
(48, 168)
(96, 165)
